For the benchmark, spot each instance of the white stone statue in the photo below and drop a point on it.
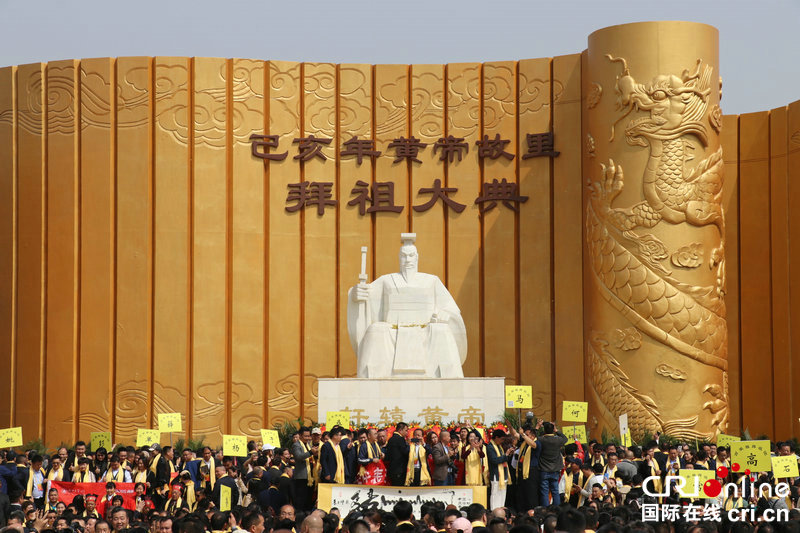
(405, 324)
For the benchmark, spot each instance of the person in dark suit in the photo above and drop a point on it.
(224, 480)
(331, 458)
(397, 450)
(442, 457)
(5, 504)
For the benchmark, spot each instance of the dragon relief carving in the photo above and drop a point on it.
(628, 263)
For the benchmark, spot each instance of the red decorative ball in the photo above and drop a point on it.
(735, 467)
(722, 471)
(747, 472)
(712, 488)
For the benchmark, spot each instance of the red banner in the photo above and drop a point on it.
(374, 474)
(67, 491)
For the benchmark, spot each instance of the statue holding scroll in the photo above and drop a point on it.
(405, 324)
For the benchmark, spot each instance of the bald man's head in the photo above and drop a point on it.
(312, 524)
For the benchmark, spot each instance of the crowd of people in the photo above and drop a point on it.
(537, 481)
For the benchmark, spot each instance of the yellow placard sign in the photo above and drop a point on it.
(785, 467)
(574, 411)
(751, 455)
(574, 433)
(725, 440)
(169, 422)
(10, 437)
(224, 498)
(690, 490)
(519, 397)
(147, 437)
(626, 439)
(337, 418)
(271, 437)
(234, 445)
(101, 439)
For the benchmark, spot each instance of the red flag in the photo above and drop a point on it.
(374, 474)
(68, 491)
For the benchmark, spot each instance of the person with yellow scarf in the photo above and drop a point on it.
(331, 458)
(176, 500)
(209, 478)
(417, 474)
(56, 471)
(303, 476)
(574, 478)
(369, 451)
(474, 457)
(499, 473)
(83, 475)
(35, 486)
(527, 470)
(142, 474)
(115, 472)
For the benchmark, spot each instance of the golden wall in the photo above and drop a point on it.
(148, 262)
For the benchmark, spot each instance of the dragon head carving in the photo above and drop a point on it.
(676, 104)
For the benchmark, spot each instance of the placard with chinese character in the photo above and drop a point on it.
(147, 437)
(234, 445)
(224, 498)
(100, 439)
(785, 466)
(751, 455)
(271, 437)
(725, 440)
(169, 422)
(10, 437)
(337, 418)
(574, 411)
(576, 432)
(690, 490)
(519, 397)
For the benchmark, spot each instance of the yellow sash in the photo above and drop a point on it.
(424, 476)
(309, 466)
(29, 489)
(56, 475)
(585, 487)
(501, 468)
(119, 478)
(190, 497)
(474, 469)
(339, 476)
(524, 463)
(211, 473)
(174, 505)
(370, 455)
(568, 482)
(140, 477)
(154, 464)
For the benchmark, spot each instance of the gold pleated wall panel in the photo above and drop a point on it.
(149, 263)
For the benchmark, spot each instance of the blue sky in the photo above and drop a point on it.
(758, 40)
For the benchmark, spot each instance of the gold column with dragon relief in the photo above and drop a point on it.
(654, 315)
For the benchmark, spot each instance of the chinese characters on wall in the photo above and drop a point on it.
(379, 196)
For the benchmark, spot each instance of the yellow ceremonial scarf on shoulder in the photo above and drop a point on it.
(190, 497)
(524, 462)
(502, 477)
(140, 477)
(55, 475)
(586, 488)
(370, 454)
(337, 451)
(119, 478)
(174, 505)
(29, 489)
(154, 464)
(309, 464)
(568, 482)
(474, 469)
(212, 472)
(424, 476)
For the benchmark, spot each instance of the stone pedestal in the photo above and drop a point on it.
(388, 400)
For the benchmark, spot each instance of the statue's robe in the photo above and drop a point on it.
(392, 332)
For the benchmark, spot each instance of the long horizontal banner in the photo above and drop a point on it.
(67, 491)
(361, 498)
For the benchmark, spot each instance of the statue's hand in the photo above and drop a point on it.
(361, 294)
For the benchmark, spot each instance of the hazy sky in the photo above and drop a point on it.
(759, 46)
